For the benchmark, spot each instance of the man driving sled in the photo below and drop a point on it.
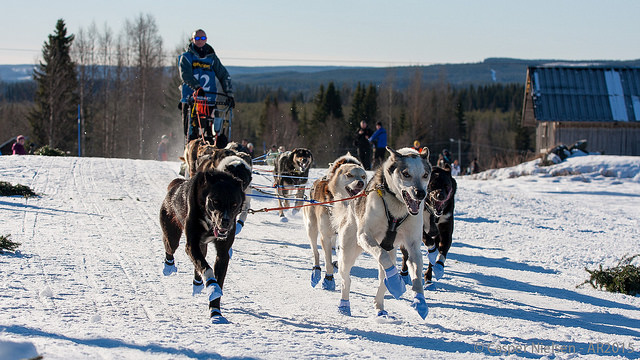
(199, 67)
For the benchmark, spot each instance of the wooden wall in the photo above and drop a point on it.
(615, 138)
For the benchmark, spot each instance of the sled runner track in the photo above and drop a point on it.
(138, 295)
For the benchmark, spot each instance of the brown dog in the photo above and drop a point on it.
(346, 178)
(205, 208)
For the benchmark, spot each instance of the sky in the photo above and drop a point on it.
(86, 281)
(352, 32)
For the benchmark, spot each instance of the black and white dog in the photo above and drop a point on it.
(291, 171)
(437, 234)
(205, 208)
(390, 216)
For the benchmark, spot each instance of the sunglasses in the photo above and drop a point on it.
(199, 38)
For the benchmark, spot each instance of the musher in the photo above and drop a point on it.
(199, 67)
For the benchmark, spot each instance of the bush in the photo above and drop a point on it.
(624, 278)
(6, 244)
(49, 151)
(6, 189)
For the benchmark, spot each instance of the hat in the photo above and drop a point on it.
(416, 143)
(164, 137)
(20, 137)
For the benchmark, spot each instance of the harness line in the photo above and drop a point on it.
(363, 193)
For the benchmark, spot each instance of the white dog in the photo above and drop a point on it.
(389, 217)
(345, 178)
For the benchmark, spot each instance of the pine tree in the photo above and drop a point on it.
(357, 107)
(332, 102)
(53, 119)
(370, 105)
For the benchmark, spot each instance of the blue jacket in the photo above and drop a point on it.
(201, 68)
(379, 138)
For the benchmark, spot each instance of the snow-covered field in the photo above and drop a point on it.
(86, 282)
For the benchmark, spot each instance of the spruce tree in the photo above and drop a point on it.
(53, 120)
(357, 107)
(332, 102)
(370, 104)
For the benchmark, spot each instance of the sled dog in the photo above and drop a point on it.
(197, 149)
(390, 216)
(205, 208)
(438, 223)
(291, 171)
(345, 178)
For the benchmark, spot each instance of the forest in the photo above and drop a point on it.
(125, 93)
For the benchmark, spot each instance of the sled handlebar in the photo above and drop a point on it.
(207, 99)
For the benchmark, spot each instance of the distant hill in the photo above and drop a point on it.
(305, 78)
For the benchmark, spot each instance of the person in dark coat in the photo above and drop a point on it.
(18, 146)
(362, 144)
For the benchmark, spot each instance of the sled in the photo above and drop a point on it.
(212, 116)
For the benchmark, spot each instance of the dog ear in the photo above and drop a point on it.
(393, 152)
(424, 153)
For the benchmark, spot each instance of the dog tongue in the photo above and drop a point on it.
(414, 206)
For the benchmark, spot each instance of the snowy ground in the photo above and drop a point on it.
(87, 283)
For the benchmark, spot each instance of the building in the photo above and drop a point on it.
(595, 103)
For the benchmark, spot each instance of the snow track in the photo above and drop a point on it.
(87, 281)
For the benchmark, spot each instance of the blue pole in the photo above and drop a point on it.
(79, 134)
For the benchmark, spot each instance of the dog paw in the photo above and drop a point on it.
(432, 254)
(294, 211)
(383, 317)
(213, 289)
(438, 270)
(405, 277)
(239, 226)
(315, 276)
(329, 283)
(420, 305)
(197, 289)
(217, 318)
(169, 268)
(393, 282)
(344, 308)
(284, 219)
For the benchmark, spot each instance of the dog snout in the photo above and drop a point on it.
(360, 184)
(420, 194)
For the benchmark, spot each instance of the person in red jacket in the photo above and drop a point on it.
(18, 146)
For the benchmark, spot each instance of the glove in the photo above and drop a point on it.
(232, 101)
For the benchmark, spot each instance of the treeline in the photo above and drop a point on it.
(482, 121)
(127, 99)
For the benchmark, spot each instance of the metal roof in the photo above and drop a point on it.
(572, 93)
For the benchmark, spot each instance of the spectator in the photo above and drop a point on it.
(474, 168)
(242, 147)
(163, 151)
(416, 146)
(362, 144)
(446, 156)
(379, 141)
(272, 155)
(455, 168)
(18, 146)
(441, 162)
(250, 148)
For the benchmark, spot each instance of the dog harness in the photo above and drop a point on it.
(392, 222)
